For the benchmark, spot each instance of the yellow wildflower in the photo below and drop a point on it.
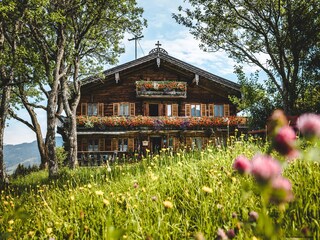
(168, 204)
(89, 185)
(72, 198)
(106, 202)
(99, 193)
(207, 189)
(11, 222)
(49, 231)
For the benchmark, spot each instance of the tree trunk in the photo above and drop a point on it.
(6, 91)
(73, 143)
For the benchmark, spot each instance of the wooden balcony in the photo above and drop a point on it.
(161, 89)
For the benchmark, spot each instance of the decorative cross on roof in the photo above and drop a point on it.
(158, 49)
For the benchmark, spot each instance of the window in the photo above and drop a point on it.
(169, 110)
(123, 145)
(197, 143)
(124, 109)
(92, 109)
(195, 110)
(93, 145)
(218, 111)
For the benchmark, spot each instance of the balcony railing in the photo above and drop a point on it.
(172, 89)
(157, 123)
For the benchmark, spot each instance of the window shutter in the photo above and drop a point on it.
(132, 109)
(102, 143)
(188, 110)
(116, 109)
(101, 109)
(84, 144)
(211, 110)
(175, 110)
(114, 144)
(146, 109)
(84, 109)
(203, 110)
(131, 144)
(226, 110)
(160, 109)
(176, 144)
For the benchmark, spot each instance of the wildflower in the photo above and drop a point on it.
(207, 189)
(11, 222)
(231, 234)
(106, 202)
(49, 231)
(31, 233)
(72, 198)
(242, 164)
(168, 204)
(135, 185)
(154, 198)
(234, 215)
(199, 236)
(264, 168)
(109, 169)
(284, 140)
(221, 235)
(309, 124)
(277, 120)
(89, 185)
(253, 216)
(282, 190)
(99, 193)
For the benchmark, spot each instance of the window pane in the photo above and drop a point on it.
(195, 110)
(92, 109)
(218, 110)
(124, 109)
(169, 110)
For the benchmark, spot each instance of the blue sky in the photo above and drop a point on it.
(175, 39)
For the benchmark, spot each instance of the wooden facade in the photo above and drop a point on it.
(151, 103)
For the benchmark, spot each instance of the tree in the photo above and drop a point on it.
(281, 37)
(11, 53)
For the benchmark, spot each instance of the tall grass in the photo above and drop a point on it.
(160, 197)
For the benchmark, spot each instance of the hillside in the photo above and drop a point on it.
(24, 153)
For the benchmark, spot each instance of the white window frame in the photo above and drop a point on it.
(93, 145)
(123, 144)
(92, 109)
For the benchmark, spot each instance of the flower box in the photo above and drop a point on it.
(161, 89)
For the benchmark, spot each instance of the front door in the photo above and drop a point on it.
(155, 144)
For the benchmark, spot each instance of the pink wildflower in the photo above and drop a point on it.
(284, 140)
(242, 164)
(264, 168)
(221, 234)
(231, 234)
(253, 216)
(282, 190)
(309, 124)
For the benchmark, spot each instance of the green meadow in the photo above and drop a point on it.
(187, 195)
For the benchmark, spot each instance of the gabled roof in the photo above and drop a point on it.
(164, 57)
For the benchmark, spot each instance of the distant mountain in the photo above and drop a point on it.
(24, 153)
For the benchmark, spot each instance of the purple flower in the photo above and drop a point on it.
(242, 164)
(284, 140)
(253, 216)
(281, 190)
(264, 168)
(231, 234)
(309, 124)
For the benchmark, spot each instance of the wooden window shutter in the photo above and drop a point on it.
(84, 144)
(160, 109)
(101, 109)
(116, 109)
(176, 143)
(226, 110)
(175, 110)
(203, 110)
(189, 141)
(114, 144)
(188, 110)
(131, 144)
(84, 109)
(146, 109)
(132, 109)
(211, 110)
(102, 143)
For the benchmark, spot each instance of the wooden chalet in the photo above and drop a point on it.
(154, 102)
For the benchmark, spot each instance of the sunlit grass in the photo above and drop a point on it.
(161, 197)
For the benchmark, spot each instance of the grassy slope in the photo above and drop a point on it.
(93, 203)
